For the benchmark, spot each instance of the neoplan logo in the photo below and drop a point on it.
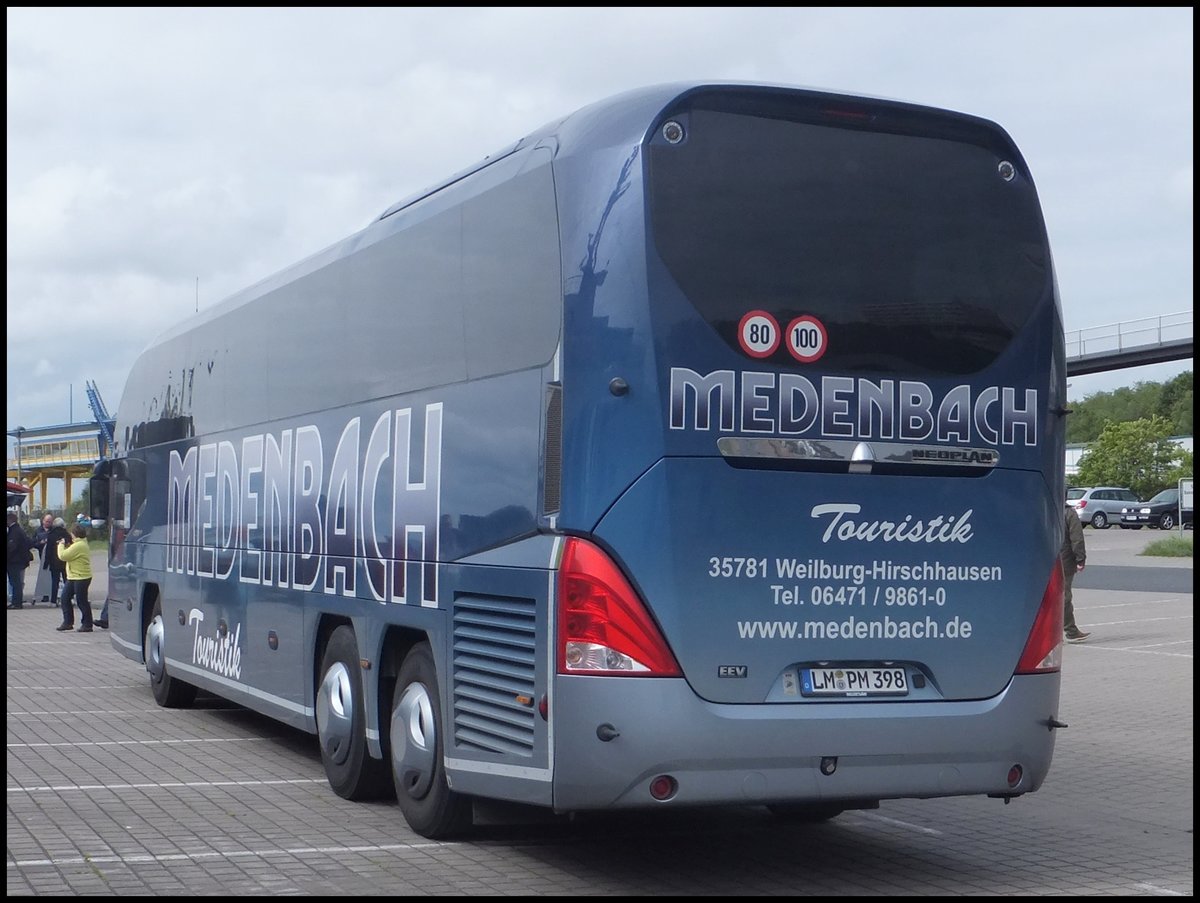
(985, 457)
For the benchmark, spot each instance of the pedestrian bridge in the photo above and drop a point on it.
(1130, 343)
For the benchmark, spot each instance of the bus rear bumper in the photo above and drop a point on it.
(771, 753)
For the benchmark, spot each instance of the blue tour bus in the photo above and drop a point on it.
(639, 465)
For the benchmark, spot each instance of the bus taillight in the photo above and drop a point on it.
(603, 627)
(1043, 649)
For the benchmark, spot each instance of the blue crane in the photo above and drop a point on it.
(103, 418)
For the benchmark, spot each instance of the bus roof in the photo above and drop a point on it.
(621, 118)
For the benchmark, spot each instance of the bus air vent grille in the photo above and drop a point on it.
(495, 641)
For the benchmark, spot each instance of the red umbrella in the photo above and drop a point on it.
(16, 494)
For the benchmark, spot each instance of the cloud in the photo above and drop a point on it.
(1179, 189)
(162, 159)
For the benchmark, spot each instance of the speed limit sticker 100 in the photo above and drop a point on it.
(807, 339)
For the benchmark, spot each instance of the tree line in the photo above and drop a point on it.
(1128, 433)
(1171, 401)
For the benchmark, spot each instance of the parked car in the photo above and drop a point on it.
(1162, 512)
(1100, 506)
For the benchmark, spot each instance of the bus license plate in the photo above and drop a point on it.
(853, 682)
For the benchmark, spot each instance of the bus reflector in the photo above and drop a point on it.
(603, 627)
(1043, 649)
(663, 787)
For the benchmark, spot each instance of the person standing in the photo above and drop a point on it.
(20, 549)
(1072, 556)
(78, 559)
(55, 570)
(102, 621)
(41, 585)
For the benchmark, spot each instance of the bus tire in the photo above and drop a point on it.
(806, 813)
(342, 723)
(430, 807)
(169, 692)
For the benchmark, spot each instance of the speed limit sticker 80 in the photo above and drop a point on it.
(758, 334)
(807, 339)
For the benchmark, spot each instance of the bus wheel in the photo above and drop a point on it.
(169, 692)
(341, 723)
(806, 813)
(430, 807)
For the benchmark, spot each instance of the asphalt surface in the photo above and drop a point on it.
(108, 794)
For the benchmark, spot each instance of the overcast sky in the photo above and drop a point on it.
(154, 151)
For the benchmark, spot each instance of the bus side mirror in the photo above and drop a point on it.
(98, 498)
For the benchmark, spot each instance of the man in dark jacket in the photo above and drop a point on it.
(50, 561)
(19, 552)
(1073, 556)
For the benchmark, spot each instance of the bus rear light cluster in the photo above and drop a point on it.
(603, 627)
(1043, 649)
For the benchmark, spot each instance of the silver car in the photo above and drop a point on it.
(1100, 506)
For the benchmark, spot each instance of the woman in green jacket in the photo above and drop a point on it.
(76, 555)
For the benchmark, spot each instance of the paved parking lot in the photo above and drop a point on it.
(109, 794)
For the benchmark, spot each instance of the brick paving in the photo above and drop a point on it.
(108, 794)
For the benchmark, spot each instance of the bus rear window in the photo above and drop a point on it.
(914, 251)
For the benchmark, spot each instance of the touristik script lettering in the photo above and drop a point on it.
(275, 509)
(788, 404)
(221, 654)
(940, 528)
